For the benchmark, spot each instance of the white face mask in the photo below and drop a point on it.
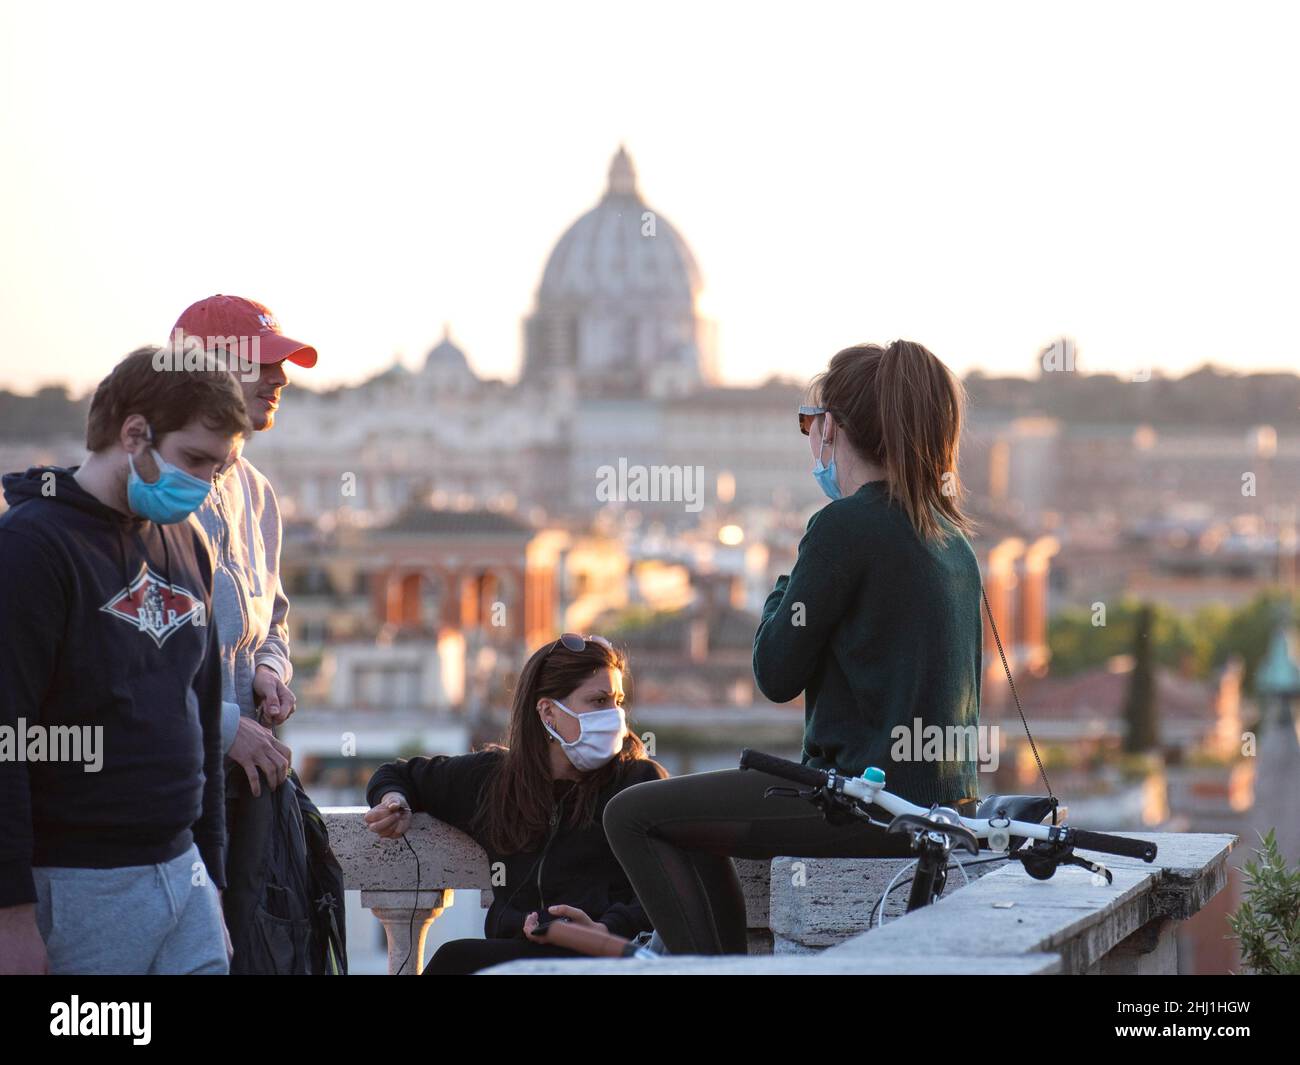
(600, 736)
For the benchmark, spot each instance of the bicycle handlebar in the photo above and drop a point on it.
(1108, 844)
(872, 791)
(781, 767)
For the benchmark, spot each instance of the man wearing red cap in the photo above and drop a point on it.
(241, 520)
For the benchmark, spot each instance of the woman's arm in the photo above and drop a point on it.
(805, 607)
(443, 786)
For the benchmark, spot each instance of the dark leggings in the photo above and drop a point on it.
(460, 957)
(675, 839)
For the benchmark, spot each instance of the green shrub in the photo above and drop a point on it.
(1267, 923)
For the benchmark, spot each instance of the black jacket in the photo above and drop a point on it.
(105, 622)
(576, 868)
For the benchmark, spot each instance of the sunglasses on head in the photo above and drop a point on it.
(806, 416)
(577, 644)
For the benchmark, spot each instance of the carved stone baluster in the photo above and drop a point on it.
(406, 916)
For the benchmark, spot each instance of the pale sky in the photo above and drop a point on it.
(978, 177)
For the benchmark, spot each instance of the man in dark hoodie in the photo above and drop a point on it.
(114, 864)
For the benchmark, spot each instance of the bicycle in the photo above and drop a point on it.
(937, 831)
(934, 833)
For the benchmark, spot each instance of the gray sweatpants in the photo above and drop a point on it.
(136, 919)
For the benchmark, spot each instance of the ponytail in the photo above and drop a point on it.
(901, 408)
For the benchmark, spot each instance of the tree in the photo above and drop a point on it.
(1141, 721)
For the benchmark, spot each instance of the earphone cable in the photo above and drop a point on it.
(414, 904)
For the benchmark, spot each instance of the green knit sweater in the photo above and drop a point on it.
(879, 629)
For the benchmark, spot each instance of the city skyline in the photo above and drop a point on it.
(857, 197)
(585, 493)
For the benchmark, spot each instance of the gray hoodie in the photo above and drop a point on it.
(241, 521)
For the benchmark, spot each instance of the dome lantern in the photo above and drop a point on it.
(622, 176)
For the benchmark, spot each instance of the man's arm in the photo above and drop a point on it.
(229, 725)
(33, 606)
(274, 651)
(272, 665)
(210, 829)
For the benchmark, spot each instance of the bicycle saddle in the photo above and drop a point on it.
(1031, 808)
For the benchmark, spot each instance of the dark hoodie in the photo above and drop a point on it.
(573, 866)
(104, 621)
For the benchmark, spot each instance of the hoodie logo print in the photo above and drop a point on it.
(155, 607)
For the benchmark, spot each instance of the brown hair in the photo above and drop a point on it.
(901, 408)
(169, 396)
(516, 808)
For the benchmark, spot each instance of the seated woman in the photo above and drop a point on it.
(877, 625)
(535, 806)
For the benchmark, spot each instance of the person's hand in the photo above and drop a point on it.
(571, 913)
(391, 818)
(270, 692)
(22, 950)
(255, 748)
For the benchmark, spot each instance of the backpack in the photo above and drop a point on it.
(329, 943)
(284, 887)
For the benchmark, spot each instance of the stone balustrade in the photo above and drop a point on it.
(811, 915)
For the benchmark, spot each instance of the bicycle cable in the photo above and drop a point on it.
(1007, 669)
(879, 904)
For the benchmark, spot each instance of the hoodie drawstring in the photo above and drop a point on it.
(121, 550)
(144, 550)
(167, 557)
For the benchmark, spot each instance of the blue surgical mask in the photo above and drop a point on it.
(826, 475)
(172, 498)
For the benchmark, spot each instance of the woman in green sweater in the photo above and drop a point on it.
(877, 625)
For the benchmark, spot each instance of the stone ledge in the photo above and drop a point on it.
(1003, 922)
(788, 965)
(447, 857)
(817, 903)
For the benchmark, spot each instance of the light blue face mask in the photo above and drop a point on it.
(171, 498)
(826, 475)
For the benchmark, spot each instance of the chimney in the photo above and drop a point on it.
(697, 638)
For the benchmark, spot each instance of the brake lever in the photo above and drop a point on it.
(1095, 868)
(779, 792)
(1041, 859)
(837, 809)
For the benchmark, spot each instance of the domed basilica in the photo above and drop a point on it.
(618, 365)
(616, 309)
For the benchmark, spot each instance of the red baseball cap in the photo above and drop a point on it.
(231, 316)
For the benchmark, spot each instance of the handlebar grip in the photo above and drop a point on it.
(782, 767)
(1121, 845)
